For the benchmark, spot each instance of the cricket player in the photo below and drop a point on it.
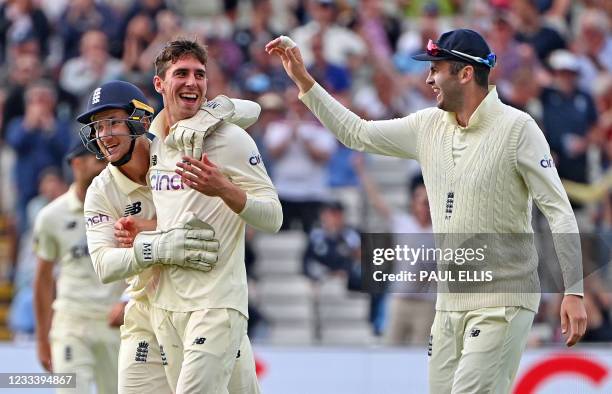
(115, 129)
(77, 320)
(228, 188)
(482, 166)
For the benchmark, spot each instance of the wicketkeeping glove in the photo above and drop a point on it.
(189, 245)
(188, 135)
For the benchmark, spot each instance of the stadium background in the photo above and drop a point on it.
(312, 330)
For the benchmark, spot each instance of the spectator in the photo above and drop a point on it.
(93, 67)
(272, 110)
(568, 115)
(168, 26)
(593, 46)
(81, 16)
(148, 8)
(333, 246)
(339, 43)
(139, 36)
(299, 148)
(412, 308)
(262, 73)
(21, 19)
(259, 29)
(378, 30)
(39, 139)
(333, 77)
(531, 30)
(382, 99)
(23, 70)
(512, 54)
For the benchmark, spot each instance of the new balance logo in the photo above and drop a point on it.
(142, 351)
(430, 346)
(199, 341)
(154, 160)
(147, 251)
(95, 97)
(68, 353)
(133, 209)
(163, 355)
(475, 332)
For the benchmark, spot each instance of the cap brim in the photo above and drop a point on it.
(425, 57)
(85, 118)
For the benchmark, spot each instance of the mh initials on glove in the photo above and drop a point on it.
(190, 245)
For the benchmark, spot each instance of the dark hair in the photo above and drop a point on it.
(415, 182)
(481, 73)
(176, 50)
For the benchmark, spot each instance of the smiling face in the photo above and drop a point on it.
(113, 133)
(183, 88)
(445, 85)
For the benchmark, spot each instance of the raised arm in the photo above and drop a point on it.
(396, 137)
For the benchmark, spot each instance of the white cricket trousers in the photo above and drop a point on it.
(215, 354)
(87, 347)
(478, 351)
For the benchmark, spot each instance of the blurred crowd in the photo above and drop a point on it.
(554, 62)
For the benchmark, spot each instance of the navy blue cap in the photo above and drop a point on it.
(114, 95)
(465, 41)
(333, 205)
(77, 149)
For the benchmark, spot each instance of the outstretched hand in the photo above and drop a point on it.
(292, 62)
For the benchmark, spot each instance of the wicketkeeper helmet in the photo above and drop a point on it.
(115, 95)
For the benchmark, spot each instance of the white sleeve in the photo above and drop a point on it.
(45, 243)
(110, 263)
(537, 168)
(246, 113)
(243, 165)
(396, 137)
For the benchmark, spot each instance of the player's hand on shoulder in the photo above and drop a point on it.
(188, 135)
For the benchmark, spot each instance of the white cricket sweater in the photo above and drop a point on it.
(480, 179)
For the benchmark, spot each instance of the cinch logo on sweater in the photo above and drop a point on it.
(160, 181)
(254, 159)
(547, 163)
(96, 219)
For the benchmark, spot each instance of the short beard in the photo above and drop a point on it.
(452, 100)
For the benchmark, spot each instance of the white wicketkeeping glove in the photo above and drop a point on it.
(188, 135)
(189, 245)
